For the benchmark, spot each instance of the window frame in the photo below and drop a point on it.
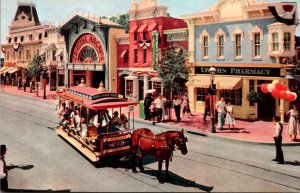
(287, 43)
(135, 57)
(238, 46)
(234, 96)
(129, 88)
(220, 47)
(275, 42)
(201, 94)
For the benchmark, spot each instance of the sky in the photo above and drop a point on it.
(54, 11)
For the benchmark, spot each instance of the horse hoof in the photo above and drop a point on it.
(134, 171)
(142, 170)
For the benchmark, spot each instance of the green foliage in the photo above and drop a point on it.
(35, 67)
(254, 96)
(123, 20)
(172, 68)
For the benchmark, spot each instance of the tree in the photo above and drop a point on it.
(173, 68)
(123, 20)
(35, 68)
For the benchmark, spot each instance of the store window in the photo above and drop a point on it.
(287, 41)
(129, 88)
(275, 42)
(234, 96)
(201, 94)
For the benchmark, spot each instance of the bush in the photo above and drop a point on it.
(254, 96)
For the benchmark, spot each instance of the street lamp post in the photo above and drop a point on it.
(44, 82)
(212, 72)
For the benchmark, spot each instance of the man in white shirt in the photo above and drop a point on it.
(159, 103)
(3, 170)
(177, 102)
(220, 106)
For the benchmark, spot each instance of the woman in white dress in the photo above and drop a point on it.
(229, 120)
(293, 125)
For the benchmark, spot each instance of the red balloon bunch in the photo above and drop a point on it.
(278, 90)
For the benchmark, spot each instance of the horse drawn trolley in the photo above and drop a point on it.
(89, 120)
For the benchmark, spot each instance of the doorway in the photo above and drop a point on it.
(122, 85)
(266, 107)
(98, 76)
(141, 88)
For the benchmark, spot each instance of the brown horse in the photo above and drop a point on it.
(161, 146)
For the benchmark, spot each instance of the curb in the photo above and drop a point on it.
(27, 97)
(203, 134)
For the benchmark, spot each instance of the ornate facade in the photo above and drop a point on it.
(136, 52)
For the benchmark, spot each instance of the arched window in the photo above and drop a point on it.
(88, 55)
(204, 39)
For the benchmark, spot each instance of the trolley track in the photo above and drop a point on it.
(38, 118)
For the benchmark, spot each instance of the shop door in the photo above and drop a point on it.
(266, 108)
(98, 76)
(122, 85)
(141, 88)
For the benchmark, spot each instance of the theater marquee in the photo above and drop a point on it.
(241, 71)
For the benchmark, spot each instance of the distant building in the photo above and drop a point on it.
(249, 43)
(136, 53)
(26, 33)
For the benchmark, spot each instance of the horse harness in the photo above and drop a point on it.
(165, 146)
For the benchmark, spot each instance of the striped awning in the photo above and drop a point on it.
(13, 70)
(3, 68)
(7, 70)
(143, 28)
(222, 82)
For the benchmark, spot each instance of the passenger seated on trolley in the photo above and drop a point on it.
(83, 122)
(100, 121)
(66, 118)
(76, 119)
(124, 123)
(114, 122)
(61, 112)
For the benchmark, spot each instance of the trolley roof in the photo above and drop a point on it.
(94, 99)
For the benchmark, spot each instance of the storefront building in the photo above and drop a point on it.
(248, 46)
(53, 50)
(138, 50)
(91, 51)
(26, 33)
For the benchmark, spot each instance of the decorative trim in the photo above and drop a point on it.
(255, 30)
(237, 31)
(203, 34)
(220, 32)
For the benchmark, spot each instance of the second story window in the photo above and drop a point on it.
(205, 47)
(287, 41)
(275, 42)
(53, 55)
(221, 46)
(145, 56)
(135, 36)
(7, 55)
(256, 44)
(238, 45)
(28, 56)
(135, 56)
(20, 55)
(145, 35)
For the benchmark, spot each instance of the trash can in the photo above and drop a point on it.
(141, 109)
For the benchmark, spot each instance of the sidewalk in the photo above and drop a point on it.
(260, 132)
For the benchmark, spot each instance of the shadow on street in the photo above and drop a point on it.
(181, 181)
(23, 190)
(23, 167)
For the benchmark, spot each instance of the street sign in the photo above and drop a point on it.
(131, 108)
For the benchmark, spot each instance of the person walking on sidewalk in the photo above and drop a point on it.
(220, 106)
(293, 125)
(24, 84)
(19, 83)
(229, 120)
(159, 103)
(153, 112)
(3, 170)
(147, 103)
(278, 140)
(207, 106)
(177, 102)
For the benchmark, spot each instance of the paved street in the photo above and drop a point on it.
(40, 160)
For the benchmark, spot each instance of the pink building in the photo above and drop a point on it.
(135, 49)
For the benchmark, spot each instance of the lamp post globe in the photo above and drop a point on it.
(212, 72)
